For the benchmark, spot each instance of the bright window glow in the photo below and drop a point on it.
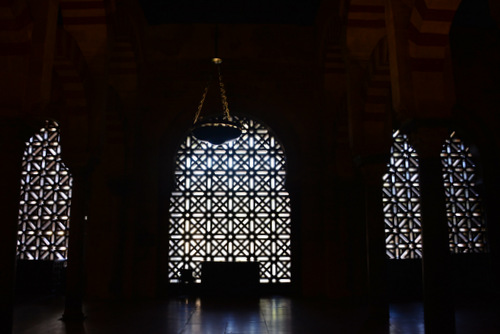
(45, 199)
(230, 205)
(463, 204)
(401, 200)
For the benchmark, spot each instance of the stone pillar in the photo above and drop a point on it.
(75, 273)
(13, 135)
(491, 198)
(373, 169)
(122, 188)
(439, 316)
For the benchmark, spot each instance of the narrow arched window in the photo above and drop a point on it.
(230, 205)
(401, 202)
(463, 204)
(401, 199)
(45, 198)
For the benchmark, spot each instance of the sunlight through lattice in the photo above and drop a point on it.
(463, 204)
(230, 204)
(401, 201)
(45, 199)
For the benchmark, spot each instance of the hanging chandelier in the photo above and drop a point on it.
(221, 129)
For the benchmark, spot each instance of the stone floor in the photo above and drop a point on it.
(279, 315)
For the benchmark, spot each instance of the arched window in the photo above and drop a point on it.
(45, 199)
(230, 204)
(463, 204)
(401, 199)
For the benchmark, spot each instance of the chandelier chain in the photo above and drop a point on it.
(200, 106)
(225, 105)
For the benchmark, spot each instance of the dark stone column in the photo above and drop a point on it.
(13, 135)
(439, 314)
(122, 188)
(491, 198)
(373, 170)
(75, 273)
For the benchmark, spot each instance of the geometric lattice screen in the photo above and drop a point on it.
(45, 199)
(230, 205)
(463, 204)
(401, 201)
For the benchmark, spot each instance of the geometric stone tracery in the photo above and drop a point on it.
(463, 204)
(401, 201)
(44, 209)
(230, 205)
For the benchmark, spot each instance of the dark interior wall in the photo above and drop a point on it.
(475, 51)
(271, 74)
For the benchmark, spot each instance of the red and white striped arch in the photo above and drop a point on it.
(429, 30)
(378, 82)
(365, 27)
(83, 12)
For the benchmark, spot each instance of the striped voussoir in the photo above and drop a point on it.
(334, 60)
(378, 82)
(428, 34)
(123, 61)
(83, 12)
(366, 14)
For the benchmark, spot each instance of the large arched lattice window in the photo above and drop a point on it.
(401, 198)
(45, 199)
(230, 205)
